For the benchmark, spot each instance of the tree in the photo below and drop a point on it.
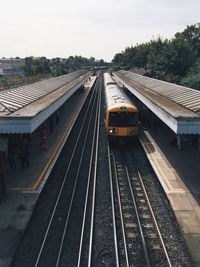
(169, 60)
(56, 66)
(184, 56)
(192, 79)
(118, 61)
(34, 66)
(28, 67)
(159, 59)
(92, 61)
(192, 35)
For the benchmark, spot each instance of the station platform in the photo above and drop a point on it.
(178, 172)
(25, 184)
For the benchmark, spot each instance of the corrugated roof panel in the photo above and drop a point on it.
(190, 100)
(194, 104)
(178, 94)
(64, 78)
(8, 107)
(163, 90)
(25, 95)
(182, 98)
(172, 95)
(48, 86)
(31, 92)
(180, 112)
(11, 104)
(187, 94)
(15, 99)
(18, 95)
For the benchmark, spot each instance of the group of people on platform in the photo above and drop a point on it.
(12, 147)
(18, 148)
(18, 145)
(15, 148)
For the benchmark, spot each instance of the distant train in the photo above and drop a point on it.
(121, 113)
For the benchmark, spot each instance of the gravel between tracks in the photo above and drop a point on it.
(170, 230)
(103, 251)
(103, 238)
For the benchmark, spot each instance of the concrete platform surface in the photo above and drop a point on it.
(178, 172)
(25, 184)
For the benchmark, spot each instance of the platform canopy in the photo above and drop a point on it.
(177, 106)
(25, 108)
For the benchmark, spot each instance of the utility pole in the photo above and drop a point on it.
(12, 66)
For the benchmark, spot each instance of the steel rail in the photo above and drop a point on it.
(121, 213)
(95, 179)
(87, 190)
(137, 215)
(64, 180)
(154, 218)
(113, 209)
(74, 189)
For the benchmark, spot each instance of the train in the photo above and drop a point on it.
(121, 114)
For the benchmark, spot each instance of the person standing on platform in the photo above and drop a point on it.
(12, 153)
(51, 124)
(24, 153)
(57, 117)
(43, 138)
(27, 138)
(3, 150)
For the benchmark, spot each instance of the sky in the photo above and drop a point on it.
(98, 28)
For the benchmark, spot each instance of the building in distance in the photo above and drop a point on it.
(11, 66)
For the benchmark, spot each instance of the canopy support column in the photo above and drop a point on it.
(179, 141)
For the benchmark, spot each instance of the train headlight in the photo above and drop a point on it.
(131, 132)
(112, 131)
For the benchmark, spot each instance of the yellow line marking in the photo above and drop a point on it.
(170, 187)
(41, 176)
(39, 179)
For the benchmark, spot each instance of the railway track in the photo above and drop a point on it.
(55, 221)
(86, 234)
(93, 210)
(65, 224)
(138, 240)
(96, 248)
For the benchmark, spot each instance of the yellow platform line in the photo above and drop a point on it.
(39, 179)
(170, 187)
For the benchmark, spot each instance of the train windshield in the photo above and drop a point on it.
(122, 119)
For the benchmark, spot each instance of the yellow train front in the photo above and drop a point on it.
(121, 113)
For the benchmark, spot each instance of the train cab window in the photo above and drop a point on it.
(122, 119)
